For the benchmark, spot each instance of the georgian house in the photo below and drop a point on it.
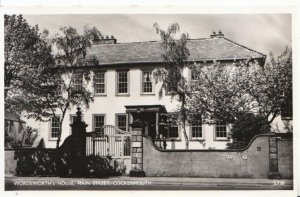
(123, 88)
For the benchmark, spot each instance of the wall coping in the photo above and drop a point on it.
(212, 150)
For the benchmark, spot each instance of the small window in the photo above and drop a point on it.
(78, 82)
(172, 132)
(121, 121)
(55, 126)
(98, 121)
(122, 82)
(172, 87)
(99, 83)
(196, 130)
(221, 130)
(147, 82)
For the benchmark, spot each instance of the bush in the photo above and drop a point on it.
(245, 128)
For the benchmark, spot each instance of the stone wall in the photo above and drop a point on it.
(10, 162)
(285, 158)
(251, 162)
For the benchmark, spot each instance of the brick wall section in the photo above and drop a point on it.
(252, 162)
(137, 157)
(285, 158)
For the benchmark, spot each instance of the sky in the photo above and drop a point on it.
(261, 32)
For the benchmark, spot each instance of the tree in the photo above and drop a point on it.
(27, 56)
(65, 84)
(175, 54)
(225, 92)
(245, 128)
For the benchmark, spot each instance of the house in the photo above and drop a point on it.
(14, 129)
(124, 89)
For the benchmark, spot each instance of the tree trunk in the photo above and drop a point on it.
(184, 117)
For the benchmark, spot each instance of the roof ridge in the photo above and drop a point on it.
(244, 47)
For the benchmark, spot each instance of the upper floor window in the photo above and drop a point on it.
(99, 83)
(55, 127)
(121, 121)
(147, 82)
(172, 87)
(220, 130)
(78, 82)
(122, 82)
(196, 130)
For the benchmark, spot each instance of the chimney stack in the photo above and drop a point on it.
(106, 40)
(217, 35)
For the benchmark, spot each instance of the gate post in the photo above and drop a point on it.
(78, 152)
(137, 150)
(273, 158)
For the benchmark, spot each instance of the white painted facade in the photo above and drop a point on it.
(111, 104)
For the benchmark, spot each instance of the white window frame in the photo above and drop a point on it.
(50, 126)
(151, 82)
(197, 125)
(78, 77)
(117, 122)
(98, 115)
(117, 82)
(217, 123)
(104, 82)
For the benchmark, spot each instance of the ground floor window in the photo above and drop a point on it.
(172, 132)
(220, 130)
(196, 130)
(98, 122)
(121, 120)
(55, 126)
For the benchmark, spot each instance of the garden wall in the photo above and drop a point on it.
(251, 162)
(10, 162)
(285, 158)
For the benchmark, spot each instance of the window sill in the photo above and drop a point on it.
(52, 139)
(123, 95)
(197, 139)
(100, 95)
(147, 94)
(221, 139)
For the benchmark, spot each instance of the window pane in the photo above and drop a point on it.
(99, 82)
(55, 127)
(121, 122)
(173, 132)
(122, 82)
(98, 121)
(221, 130)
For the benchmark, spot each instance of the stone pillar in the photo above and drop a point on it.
(137, 149)
(78, 152)
(273, 158)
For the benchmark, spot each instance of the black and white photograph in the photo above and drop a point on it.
(154, 101)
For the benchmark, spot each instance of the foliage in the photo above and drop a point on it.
(175, 53)
(29, 136)
(227, 91)
(27, 60)
(97, 166)
(245, 128)
(45, 82)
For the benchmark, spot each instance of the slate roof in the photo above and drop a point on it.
(150, 52)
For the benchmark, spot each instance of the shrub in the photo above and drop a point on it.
(245, 128)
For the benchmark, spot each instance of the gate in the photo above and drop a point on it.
(110, 141)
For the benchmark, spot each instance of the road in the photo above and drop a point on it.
(145, 183)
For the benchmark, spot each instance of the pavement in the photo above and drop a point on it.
(13, 183)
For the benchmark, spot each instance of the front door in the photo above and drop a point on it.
(149, 120)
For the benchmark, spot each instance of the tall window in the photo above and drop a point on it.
(221, 130)
(196, 129)
(78, 83)
(55, 127)
(172, 87)
(60, 84)
(99, 83)
(122, 82)
(121, 121)
(147, 82)
(98, 121)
